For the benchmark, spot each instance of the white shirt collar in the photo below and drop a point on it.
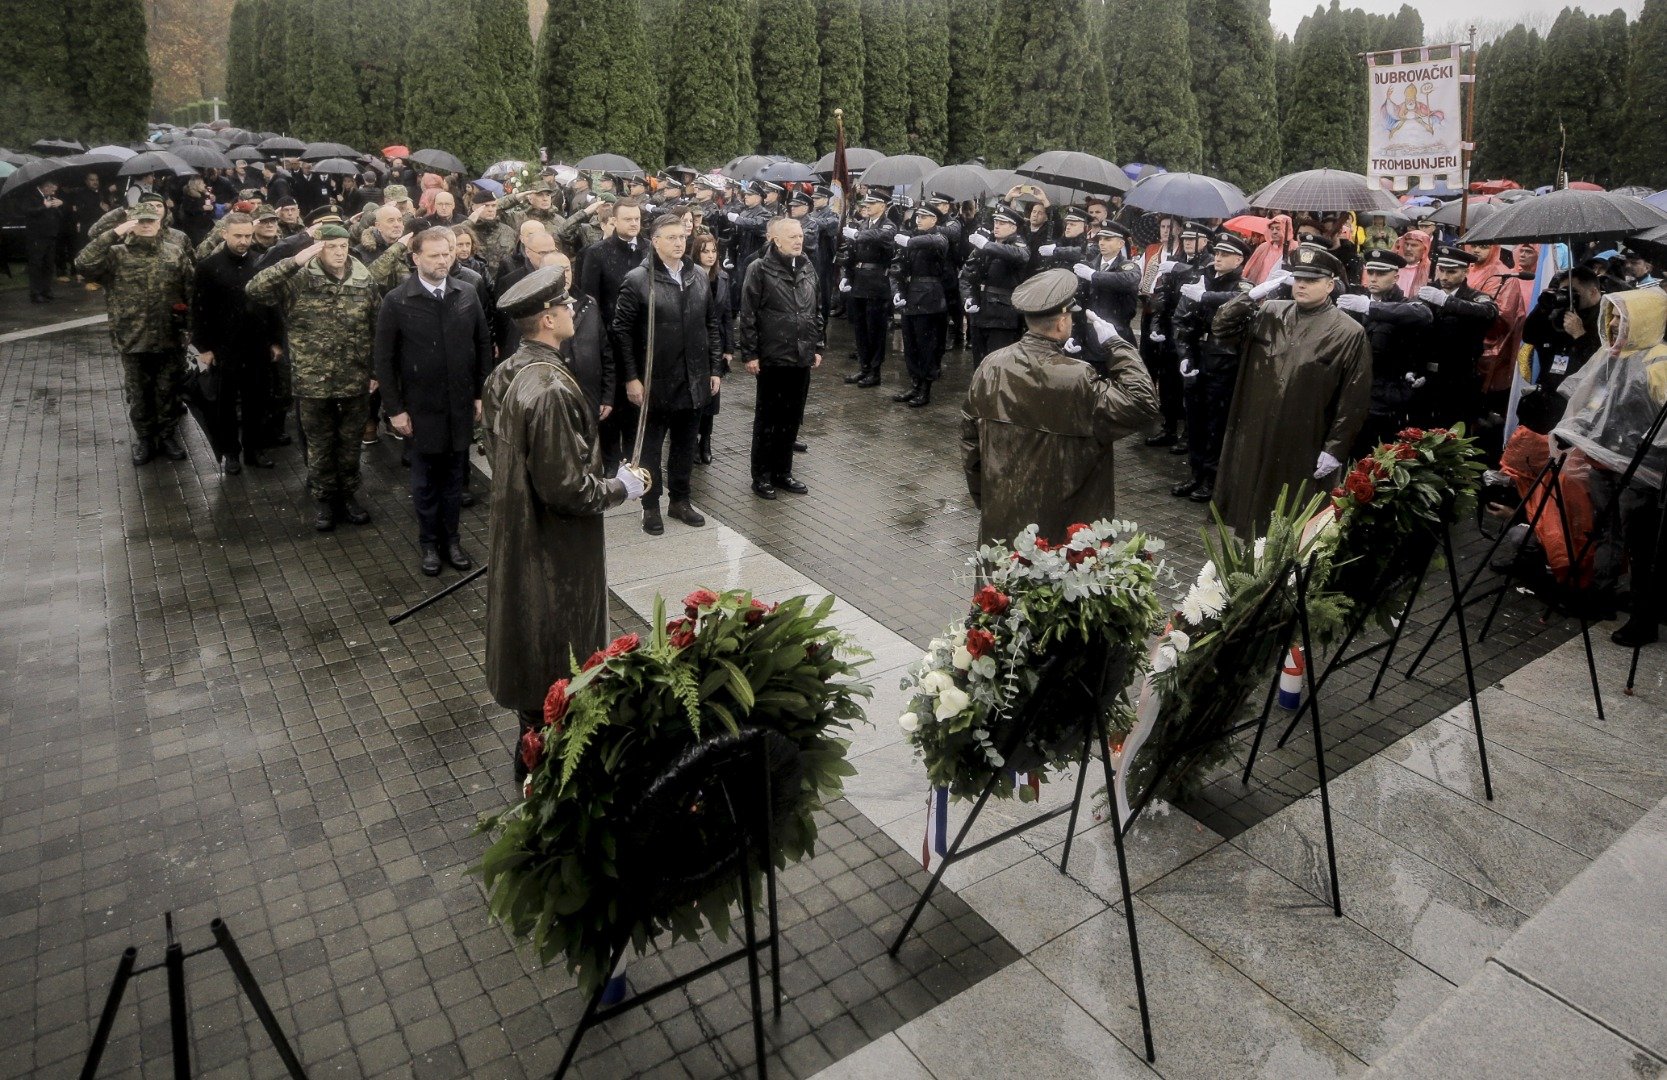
(436, 291)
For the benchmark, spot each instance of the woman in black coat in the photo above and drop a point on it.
(704, 250)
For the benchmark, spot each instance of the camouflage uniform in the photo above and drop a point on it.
(513, 211)
(391, 268)
(495, 241)
(330, 326)
(115, 217)
(147, 284)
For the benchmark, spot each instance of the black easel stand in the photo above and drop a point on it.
(395, 620)
(173, 962)
(718, 771)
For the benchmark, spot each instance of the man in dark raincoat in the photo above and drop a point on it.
(1304, 389)
(547, 600)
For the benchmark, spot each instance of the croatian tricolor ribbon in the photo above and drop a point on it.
(937, 826)
(1290, 679)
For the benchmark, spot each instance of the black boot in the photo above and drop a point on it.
(1166, 437)
(143, 450)
(171, 448)
(325, 519)
(923, 396)
(871, 377)
(652, 523)
(705, 450)
(904, 397)
(856, 377)
(688, 515)
(351, 511)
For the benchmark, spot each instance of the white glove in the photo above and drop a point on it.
(897, 300)
(634, 487)
(1433, 296)
(1264, 290)
(1156, 337)
(971, 308)
(1325, 465)
(1070, 347)
(902, 240)
(1414, 379)
(1083, 270)
(1047, 250)
(1167, 266)
(848, 232)
(978, 240)
(1354, 302)
(1195, 291)
(733, 216)
(1188, 372)
(1104, 331)
(844, 284)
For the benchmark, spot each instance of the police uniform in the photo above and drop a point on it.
(1396, 328)
(868, 253)
(989, 276)
(1038, 425)
(917, 283)
(1158, 345)
(1110, 287)
(1453, 390)
(1209, 367)
(1073, 244)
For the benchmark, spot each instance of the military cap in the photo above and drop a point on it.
(479, 196)
(1076, 213)
(1231, 244)
(1197, 231)
(1452, 255)
(940, 198)
(1109, 227)
(1047, 293)
(539, 185)
(928, 209)
(1383, 259)
(332, 232)
(266, 212)
(325, 215)
(1009, 215)
(148, 210)
(542, 289)
(667, 180)
(395, 193)
(253, 194)
(822, 191)
(633, 180)
(799, 198)
(710, 183)
(766, 186)
(1313, 261)
(872, 196)
(289, 200)
(153, 197)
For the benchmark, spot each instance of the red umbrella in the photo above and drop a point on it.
(1248, 225)
(1582, 185)
(396, 150)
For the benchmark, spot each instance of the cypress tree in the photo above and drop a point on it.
(298, 59)
(110, 70)
(839, 27)
(1608, 104)
(1232, 49)
(241, 53)
(381, 31)
(1157, 115)
(505, 66)
(1572, 63)
(1644, 111)
(1036, 78)
(596, 83)
(929, 74)
(786, 71)
(971, 35)
(659, 20)
(330, 108)
(446, 106)
(703, 125)
(885, 117)
(1512, 139)
(746, 94)
(1096, 133)
(36, 94)
(276, 79)
(1320, 130)
(1284, 70)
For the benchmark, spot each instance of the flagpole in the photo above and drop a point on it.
(1469, 144)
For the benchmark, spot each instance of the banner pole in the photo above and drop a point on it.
(1469, 137)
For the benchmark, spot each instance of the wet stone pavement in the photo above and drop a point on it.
(203, 711)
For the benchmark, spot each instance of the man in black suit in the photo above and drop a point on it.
(234, 335)
(43, 219)
(433, 352)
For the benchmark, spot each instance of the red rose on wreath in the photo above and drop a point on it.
(1072, 530)
(1412, 434)
(1042, 544)
(596, 658)
(980, 642)
(1337, 493)
(1405, 451)
(532, 750)
(1359, 486)
(555, 704)
(1372, 469)
(698, 599)
(991, 600)
(621, 645)
(757, 611)
(1077, 556)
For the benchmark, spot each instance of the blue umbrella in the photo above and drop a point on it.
(492, 186)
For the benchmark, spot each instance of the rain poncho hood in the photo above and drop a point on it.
(1416, 273)
(1269, 255)
(1614, 398)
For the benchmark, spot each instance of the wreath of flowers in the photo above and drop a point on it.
(1048, 607)
(629, 711)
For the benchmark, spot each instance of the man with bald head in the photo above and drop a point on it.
(779, 339)
(537, 249)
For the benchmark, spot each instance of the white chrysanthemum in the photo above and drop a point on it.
(1212, 600)
(951, 702)
(909, 722)
(1191, 610)
(1180, 640)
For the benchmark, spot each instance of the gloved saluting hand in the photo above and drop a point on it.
(1194, 291)
(1433, 296)
(1047, 250)
(848, 232)
(1270, 286)
(1083, 270)
(978, 240)
(1354, 302)
(902, 240)
(1104, 330)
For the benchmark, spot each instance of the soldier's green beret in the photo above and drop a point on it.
(541, 289)
(1047, 293)
(332, 232)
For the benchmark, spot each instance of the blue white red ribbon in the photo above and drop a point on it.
(1290, 679)
(937, 825)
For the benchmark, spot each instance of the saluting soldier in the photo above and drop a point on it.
(999, 261)
(1209, 366)
(1395, 329)
(917, 276)
(1110, 279)
(1463, 316)
(1072, 246)
(1038, 425)
(868, 255)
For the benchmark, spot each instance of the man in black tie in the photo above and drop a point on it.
(433, 353)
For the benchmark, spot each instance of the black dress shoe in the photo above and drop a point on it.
(143, 451)
(1184, 488)
(903, 397)
(652, 524)
(284, 439)
(687, 514)
(1203, 493)
(704, 451)
(431, 560)
(800, 448)
(855, 377)
(1167, 438)
(260, 459)
(232, 466)
(788, 483)
(353, 512)
(325, 519)
(921, 398)
(763, 489)
(1637, 632)
(1180, 447)
(171, 449)
(458, 558)
(869, 378)
(468, 498)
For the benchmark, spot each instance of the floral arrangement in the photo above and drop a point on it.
(1391, 507)
(1044, 616)
(625, 715)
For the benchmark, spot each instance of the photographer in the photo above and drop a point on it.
(1564, 337)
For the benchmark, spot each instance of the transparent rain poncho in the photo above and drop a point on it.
(1614, 399)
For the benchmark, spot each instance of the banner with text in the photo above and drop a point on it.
(1416, 126)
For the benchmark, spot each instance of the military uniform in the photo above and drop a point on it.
(514, 210)
(1038, 425)
(1453, 391)
(823, 224)
(989, 276)
(495, 242)
(331, 326)
(1209, 367)
(868, 255)
(147, 284)
(917, 282)
(1396, 329)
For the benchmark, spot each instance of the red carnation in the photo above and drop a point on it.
(1076, 556)
(621, 645)
(682, 638)
(980, 642)
(991, 600)
(698, 599)
(1042, 544)
(596, 658)
(1337, 493)
(555, 703)
(757, 611)
(1072, 530)
(1021, 560)
(532, 749)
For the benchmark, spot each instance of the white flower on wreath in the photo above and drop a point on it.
(951, 702)
(961, 659)
(936, 682)
(909, 722)
(1260, 547)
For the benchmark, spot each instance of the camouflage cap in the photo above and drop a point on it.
(541, 289)
(266, 212)
(1047, 293)
(540, 186)
(147, 210)
(395, 193)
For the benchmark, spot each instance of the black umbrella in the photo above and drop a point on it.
(116, 153)
(1076, 172)
(57, 147)
(1448, 213)
(200, 390)
(39, 169)
(281, 145)
(246, 153)
(787, 172)
(155, 161)
(1651, 244)
(857, 158)
(318, 151)
(898, 170)
(1568, 215)
(238, 136)
(962, 183)
(1188, 195)
(609, 163)
(1323, 190)
(201, 157)
(336, 166)
(203, 143)
(12, 157)
(435, 161)
(748, 166)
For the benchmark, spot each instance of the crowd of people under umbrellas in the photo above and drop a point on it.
(276, 272)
